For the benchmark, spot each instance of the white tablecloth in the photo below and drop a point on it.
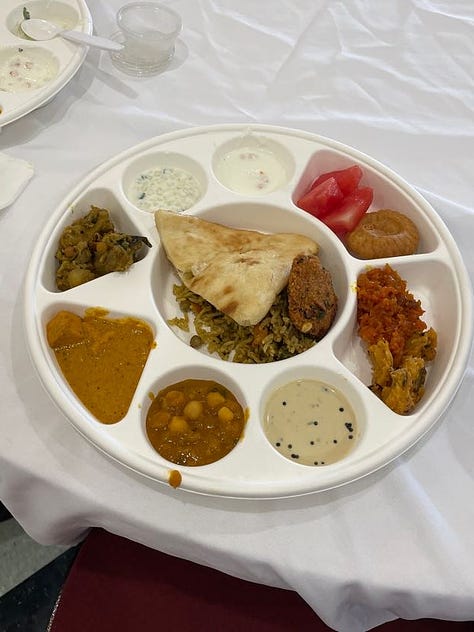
(391, 78)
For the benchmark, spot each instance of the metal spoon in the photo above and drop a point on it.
(41, 30)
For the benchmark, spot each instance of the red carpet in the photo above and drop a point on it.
(120, 586)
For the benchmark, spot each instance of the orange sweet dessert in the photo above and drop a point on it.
(382, 234)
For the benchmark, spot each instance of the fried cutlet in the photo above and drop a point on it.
(312, 302)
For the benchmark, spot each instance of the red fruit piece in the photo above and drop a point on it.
(322, 199)
(348, 179)
(346, 216)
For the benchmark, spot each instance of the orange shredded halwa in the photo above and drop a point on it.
(386, 310)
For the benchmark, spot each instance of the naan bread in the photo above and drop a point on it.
(240, 272)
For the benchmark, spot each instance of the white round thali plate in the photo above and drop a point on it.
(254, 469)
(66, 56)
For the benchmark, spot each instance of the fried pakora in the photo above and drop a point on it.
(312, 301)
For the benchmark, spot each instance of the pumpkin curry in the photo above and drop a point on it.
(101, 358)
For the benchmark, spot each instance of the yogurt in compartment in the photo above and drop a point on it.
(251, 170)
(23, 69)
(167, 188)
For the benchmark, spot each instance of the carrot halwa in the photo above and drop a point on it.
(398, 342)
(385, 309)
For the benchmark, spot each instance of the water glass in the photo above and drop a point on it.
(148, 31)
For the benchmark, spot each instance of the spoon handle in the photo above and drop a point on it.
(91, 40)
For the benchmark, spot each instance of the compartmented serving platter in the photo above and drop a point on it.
(50, 65)
(253, 469)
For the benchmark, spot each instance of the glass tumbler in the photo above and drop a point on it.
(148, 31)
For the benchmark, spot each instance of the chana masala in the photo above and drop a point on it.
(398, 341)
(195, 422)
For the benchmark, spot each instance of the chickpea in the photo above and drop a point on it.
(178, 425)
(215, 399)
(160, 419)
(225, 414)
(193, 409)
(174, 398)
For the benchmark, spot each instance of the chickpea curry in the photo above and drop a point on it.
(195, 422)
(101, 358)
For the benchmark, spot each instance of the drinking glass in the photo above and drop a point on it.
(148, 31)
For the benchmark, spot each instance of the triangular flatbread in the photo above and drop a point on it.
(240, 272)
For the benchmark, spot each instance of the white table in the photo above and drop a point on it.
(393, 79)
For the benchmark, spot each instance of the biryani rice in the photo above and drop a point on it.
(273, 338)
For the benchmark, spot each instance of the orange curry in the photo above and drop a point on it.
(101, 358)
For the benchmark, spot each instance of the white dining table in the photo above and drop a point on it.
(393, 79)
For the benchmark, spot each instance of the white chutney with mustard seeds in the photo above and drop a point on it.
(310, 422)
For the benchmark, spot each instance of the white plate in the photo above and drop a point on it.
(66, 57)
(436, 275)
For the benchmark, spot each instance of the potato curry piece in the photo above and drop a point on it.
(195, 422)
(398, 342)
(401, 388)
(101, 358)
(90, 247)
